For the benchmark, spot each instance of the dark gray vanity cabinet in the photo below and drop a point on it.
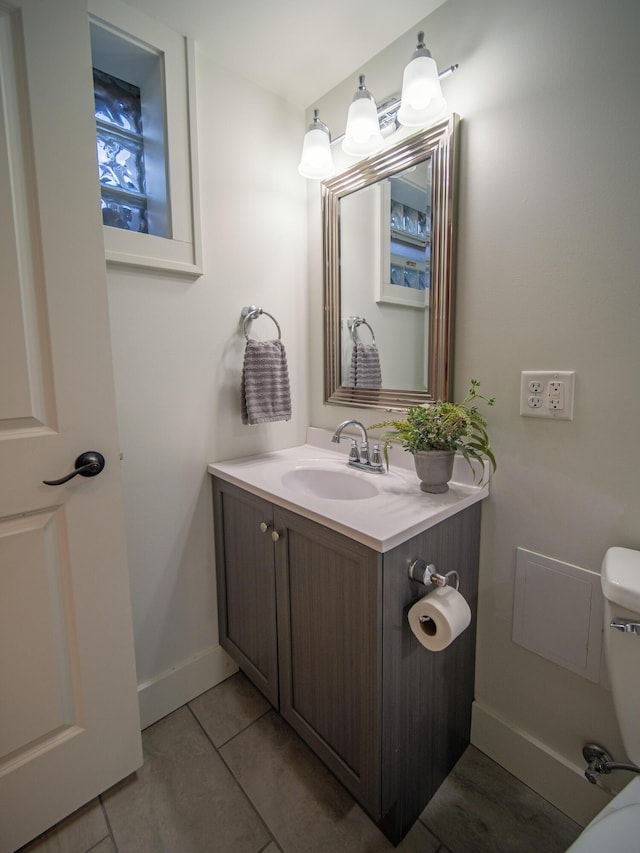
(329, 643)
(318, 622)
(321, 668)
(246, 580)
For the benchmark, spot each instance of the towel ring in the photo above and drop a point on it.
(354, 322)
(252, 313)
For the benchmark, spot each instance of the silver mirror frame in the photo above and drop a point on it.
(439, 142)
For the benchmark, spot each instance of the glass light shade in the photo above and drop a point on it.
(422, 99)
(317, 162)
(362, 135)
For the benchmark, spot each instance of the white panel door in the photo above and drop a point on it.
(69, 724)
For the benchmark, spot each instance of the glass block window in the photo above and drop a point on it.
(146, 139)
(120, 149)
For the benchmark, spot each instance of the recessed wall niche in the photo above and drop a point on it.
(157, 225)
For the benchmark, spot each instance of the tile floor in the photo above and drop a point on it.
(226, 774)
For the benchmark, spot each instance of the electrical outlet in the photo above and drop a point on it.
(547, 394)
(555, 395)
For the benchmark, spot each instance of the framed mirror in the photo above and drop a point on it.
(388, 244)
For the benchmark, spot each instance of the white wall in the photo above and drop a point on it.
(547, 279)
(178, 353)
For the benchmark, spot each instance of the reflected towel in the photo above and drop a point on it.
(365, 366)
(264, 389)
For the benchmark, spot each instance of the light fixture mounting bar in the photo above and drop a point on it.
(446, 72)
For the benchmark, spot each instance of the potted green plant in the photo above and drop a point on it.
(435, 432)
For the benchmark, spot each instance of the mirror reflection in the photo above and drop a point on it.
(388, 246)
(385, 281)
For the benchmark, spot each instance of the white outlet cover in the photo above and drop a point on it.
(544, 377)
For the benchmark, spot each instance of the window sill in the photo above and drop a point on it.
(128, 249)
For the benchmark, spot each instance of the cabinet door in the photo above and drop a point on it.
(246, 584)
(330, 649)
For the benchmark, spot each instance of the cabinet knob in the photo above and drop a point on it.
(263, 526)
(275, 535)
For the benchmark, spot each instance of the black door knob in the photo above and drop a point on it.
(88, 464)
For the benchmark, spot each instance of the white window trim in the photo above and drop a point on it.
(182, 252)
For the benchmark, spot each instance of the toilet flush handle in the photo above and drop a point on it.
(628, 626)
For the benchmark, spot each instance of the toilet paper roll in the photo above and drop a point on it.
(439, 617)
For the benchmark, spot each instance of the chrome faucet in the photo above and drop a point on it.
(359, 457)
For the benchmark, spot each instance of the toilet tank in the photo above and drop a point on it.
(621, 590)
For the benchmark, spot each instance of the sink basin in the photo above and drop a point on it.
(332, 484)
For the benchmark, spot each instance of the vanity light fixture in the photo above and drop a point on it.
(362, 136)
(421, 100)
(317, 161)
(420, 104)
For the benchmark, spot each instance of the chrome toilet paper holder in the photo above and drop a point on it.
(427, 574)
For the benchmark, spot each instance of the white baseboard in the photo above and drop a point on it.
(171, 689)
(545, 771)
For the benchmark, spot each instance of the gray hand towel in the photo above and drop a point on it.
(365, 366)
(265, 391)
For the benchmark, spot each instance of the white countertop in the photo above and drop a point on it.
(396, 511)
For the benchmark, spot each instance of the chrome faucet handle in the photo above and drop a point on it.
(354, 456)
(376, 455)
(627, 626)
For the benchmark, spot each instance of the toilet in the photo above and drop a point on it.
(617, 826)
